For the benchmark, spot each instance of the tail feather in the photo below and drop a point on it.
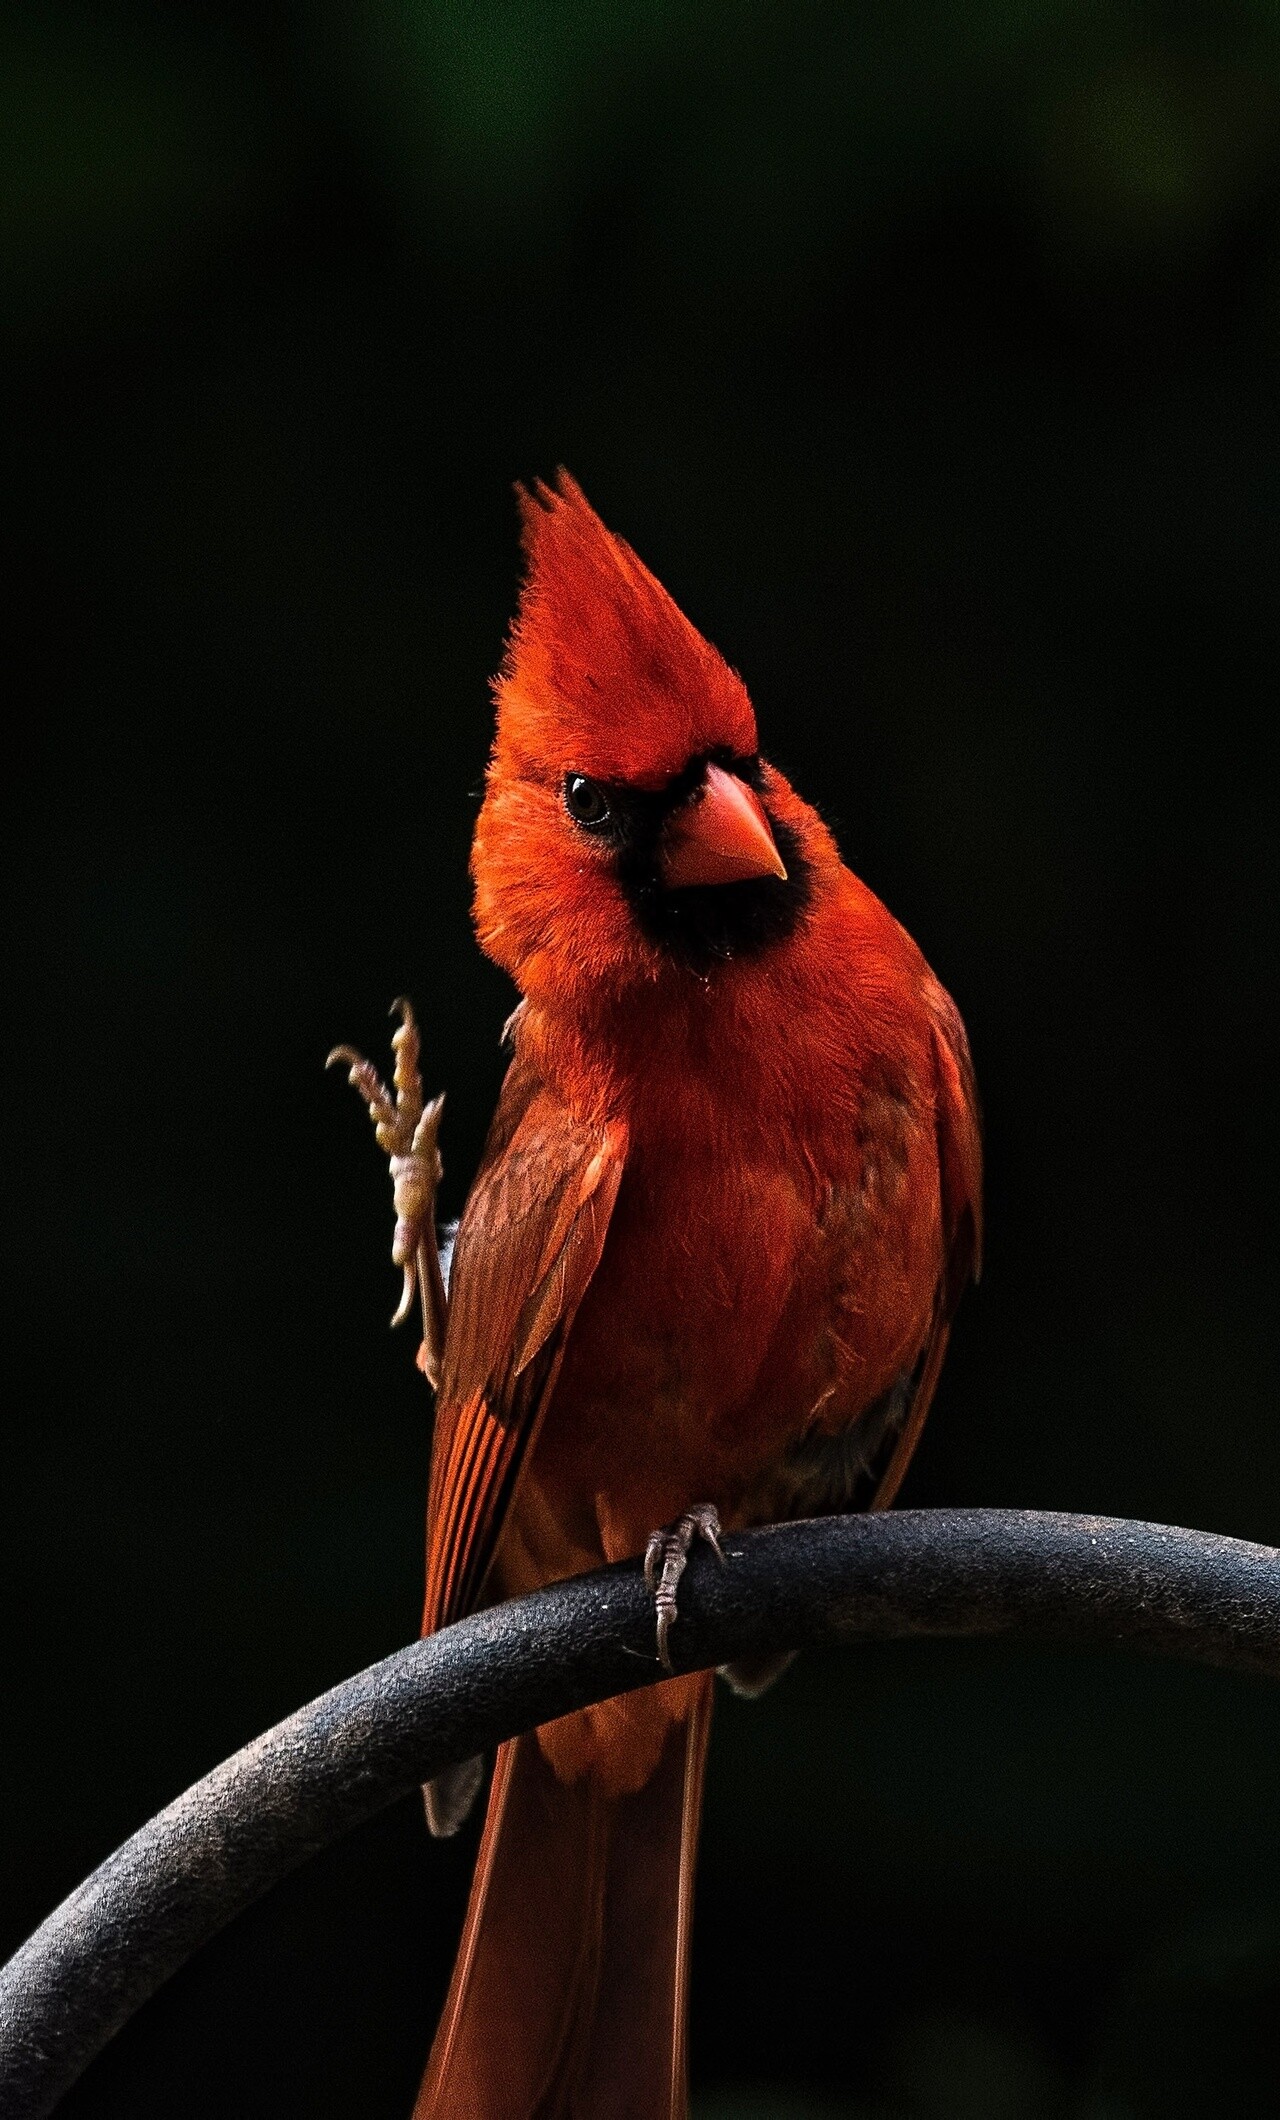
(568, 1997)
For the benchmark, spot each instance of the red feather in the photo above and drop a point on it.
(729, 1203)
(596, 631)
(528, 1244)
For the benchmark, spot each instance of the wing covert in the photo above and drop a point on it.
(529, 1241)
(958, 1125)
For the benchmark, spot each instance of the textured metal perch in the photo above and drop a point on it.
(949, 1572)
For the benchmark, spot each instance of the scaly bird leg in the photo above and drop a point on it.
(666, 1558)
(407, 1129)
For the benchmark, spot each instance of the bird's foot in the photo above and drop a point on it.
(407, 1129)
(665, 1558)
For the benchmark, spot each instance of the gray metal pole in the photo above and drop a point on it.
(940, 1573)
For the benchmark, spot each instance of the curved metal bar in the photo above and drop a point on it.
(947, 1572)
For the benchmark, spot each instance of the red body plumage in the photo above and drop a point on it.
(729, 1201)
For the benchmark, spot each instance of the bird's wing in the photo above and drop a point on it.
(959, 1135)
(529, 1241)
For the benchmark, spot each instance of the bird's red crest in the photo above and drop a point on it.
(604, 674)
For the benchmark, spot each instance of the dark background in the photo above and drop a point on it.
(928, 353)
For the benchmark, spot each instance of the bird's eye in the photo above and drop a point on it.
(585, 800)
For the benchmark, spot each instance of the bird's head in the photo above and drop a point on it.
(629, 824)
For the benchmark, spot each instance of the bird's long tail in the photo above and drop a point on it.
(568, 1997)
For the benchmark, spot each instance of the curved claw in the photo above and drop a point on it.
(665, 1559)
(427, 1126)
(409, 1291)
(365, 1079)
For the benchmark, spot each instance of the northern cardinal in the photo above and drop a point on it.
(704, 1277)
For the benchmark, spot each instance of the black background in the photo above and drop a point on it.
(928, 354)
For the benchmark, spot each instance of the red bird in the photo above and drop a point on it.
(704, 1277)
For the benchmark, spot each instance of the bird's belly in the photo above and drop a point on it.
(728, 1314)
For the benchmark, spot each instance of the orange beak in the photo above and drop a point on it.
(721, 835)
